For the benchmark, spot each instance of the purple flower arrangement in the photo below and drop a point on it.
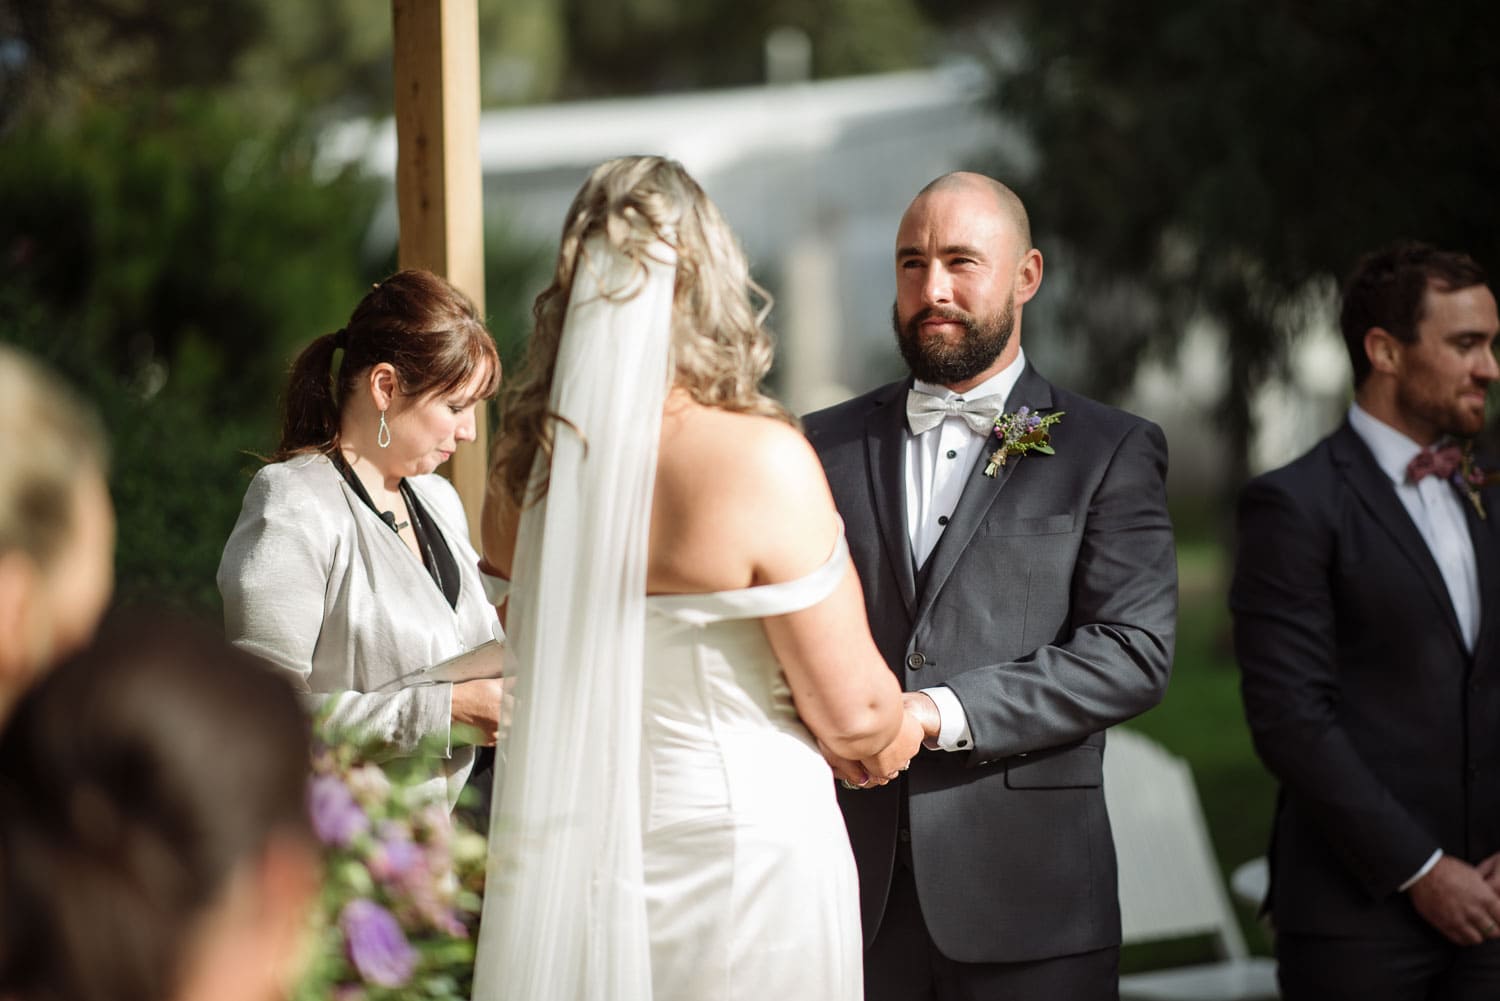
(1019, 433)
(402, 883)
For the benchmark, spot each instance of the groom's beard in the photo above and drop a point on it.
(944, 364)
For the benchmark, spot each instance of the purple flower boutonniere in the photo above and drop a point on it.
(1469, 478)
(1019, 433)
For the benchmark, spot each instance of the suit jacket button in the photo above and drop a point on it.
(915, 661)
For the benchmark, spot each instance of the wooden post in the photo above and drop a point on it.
(439, 184)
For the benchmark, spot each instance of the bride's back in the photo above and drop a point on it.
(739, 496)
(740, 500)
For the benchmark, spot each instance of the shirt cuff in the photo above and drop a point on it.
(496, 588)
(1426, 868)
(953, 722)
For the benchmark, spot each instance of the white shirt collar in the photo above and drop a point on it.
(1392, 449)
(1000, 384)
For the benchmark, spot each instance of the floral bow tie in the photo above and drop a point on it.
(1454, 463)
(925, 411)
(1439, 461)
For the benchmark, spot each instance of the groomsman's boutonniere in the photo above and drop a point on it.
(1019, 433)
(1469, 477)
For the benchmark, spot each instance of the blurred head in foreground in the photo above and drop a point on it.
(57, 530)
(154, 841)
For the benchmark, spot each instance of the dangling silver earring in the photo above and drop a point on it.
(383, 436)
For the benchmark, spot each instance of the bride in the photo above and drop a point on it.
(687, 631)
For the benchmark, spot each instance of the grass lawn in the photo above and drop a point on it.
(1201, 720)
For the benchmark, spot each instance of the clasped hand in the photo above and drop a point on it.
(919, 723)
(1460, 900)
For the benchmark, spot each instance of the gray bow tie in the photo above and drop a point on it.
(925, 411)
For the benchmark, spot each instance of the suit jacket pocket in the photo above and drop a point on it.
(1052, 524)
(1078, 767)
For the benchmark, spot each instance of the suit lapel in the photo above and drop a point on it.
(1481, 533)
(885, 450)
(979, 493)
(1373, 488)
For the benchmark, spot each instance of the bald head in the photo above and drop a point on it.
(964, 268)
(1004, 200)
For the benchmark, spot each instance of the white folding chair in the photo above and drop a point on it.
(1170, 884)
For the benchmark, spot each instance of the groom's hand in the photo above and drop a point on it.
(920, 706)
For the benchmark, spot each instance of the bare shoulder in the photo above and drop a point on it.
(760, 459)
(742, 494)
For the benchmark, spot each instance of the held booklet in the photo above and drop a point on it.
(487, 660)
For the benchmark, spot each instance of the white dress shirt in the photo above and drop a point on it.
(938, 464)
(1437, 510)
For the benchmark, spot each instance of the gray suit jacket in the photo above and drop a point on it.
(1049, 607)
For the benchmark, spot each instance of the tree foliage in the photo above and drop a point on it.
(636, 46)
(172, 268)
(334, 57)
(1211, 160)
(169, 242)
(284, 59)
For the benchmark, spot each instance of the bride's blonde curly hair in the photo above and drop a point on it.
(720, 348)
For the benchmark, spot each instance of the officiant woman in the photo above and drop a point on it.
(350, 566)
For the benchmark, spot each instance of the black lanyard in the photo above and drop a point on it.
(436, 556)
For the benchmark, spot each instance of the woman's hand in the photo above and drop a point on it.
(849, 772)
(893, 759)
(880, 768)
(486, 705)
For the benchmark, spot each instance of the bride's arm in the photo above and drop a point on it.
(843, 689)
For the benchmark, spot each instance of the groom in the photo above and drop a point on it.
(1026, 605)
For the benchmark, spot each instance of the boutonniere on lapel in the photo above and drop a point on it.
(1469, 478)
(1454, 463)
(1019, 433)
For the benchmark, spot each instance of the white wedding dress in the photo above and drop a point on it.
(664, 826)
(750, 884)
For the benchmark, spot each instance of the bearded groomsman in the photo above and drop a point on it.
(1019, 572)
(1365, 593)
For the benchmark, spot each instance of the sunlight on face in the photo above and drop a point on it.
(1446, 374)
(426, 430)
(78, 586)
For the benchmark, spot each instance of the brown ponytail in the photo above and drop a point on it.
(311, 419)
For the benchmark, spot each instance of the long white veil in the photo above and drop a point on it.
(564, 911)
